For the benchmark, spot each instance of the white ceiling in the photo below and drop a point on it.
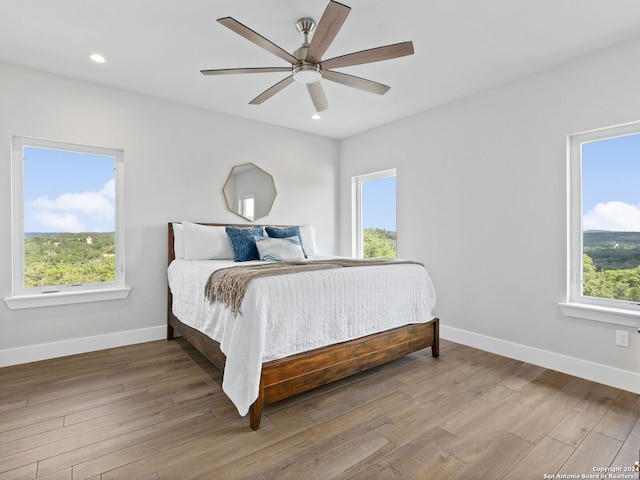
(158, 47)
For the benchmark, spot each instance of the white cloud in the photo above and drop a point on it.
(87, 203)
(613, 216)
(109, 189)
(77, 212)
(66, 222)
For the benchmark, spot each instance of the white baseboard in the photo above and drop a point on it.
(614, 377)
(45, 351)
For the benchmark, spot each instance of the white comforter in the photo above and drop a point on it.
(287, 314)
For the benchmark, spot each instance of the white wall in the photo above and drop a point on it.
(177, 159)
(482, 202)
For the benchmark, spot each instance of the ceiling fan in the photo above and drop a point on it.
(306, 62)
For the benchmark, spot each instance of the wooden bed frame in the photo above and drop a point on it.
(285, 377)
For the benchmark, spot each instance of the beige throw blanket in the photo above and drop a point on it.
(228, 285)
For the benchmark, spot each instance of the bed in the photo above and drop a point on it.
(258, 370)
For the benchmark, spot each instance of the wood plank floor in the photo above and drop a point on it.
(157, 411)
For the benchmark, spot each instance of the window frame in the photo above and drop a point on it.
(357, 239)
(619, 312)
(29, 297)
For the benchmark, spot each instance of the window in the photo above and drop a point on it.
(604, 225)
(68, 239)
(375, 215)
(246, 206)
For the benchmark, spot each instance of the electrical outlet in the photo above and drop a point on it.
(622, 338)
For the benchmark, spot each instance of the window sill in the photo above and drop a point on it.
(616, 316)
(65, 298)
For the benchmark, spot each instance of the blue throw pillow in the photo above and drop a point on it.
(285, 232)
(243, 243)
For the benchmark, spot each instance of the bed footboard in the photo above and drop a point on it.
(289, 376)
(299, 373)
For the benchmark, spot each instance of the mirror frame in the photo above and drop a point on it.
(230, 202)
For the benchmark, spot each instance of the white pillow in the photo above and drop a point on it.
(205, 242)
(277, 249)
(308, 239)
(178, 240)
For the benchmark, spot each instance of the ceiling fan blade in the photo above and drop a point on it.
(318, 97)
(355, 82)
(271, 91)
(328, 27)
(258, 39)
(230, 71)
(369, 56)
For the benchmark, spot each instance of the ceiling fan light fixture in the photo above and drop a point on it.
(306, 73)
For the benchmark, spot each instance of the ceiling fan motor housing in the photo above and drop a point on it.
(305, 72)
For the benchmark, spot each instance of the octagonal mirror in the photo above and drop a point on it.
(249, 191)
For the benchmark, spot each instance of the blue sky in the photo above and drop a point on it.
(379, 200)
(611, 184)
(68, 192)
(73, 192)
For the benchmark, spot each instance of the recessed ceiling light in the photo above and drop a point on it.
(96, 57)
(316, 117)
